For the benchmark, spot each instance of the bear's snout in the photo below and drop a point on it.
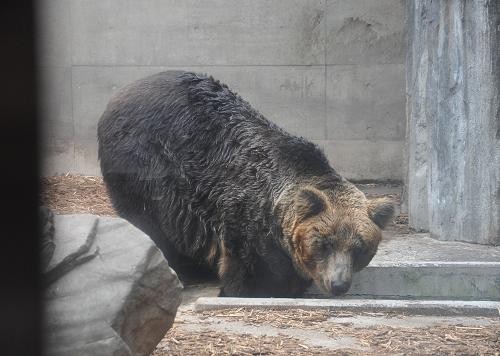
(340, 287)
(339, 274)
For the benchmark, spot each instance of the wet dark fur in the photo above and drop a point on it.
(201, 172)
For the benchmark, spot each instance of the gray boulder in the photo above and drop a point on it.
(120, 301)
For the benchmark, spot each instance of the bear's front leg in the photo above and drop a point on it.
(236, 277)
(254, 276)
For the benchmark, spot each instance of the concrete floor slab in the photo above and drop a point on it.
(420, 249)
(411, 321)
(307, 337)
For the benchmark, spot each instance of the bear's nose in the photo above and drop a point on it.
(339, 288)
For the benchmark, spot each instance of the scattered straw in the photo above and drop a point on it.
(296, 318)
(179, 342)
(379, 340)
(70, 194)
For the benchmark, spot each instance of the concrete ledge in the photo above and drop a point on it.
(420, 307)
(424, 280)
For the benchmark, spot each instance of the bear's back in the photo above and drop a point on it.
(200, 124)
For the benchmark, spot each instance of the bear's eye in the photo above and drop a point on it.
(321, 246)
(362, 258)
(361, 254)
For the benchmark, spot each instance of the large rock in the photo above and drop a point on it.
(119, 303)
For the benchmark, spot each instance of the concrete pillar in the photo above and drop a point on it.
(453, 113)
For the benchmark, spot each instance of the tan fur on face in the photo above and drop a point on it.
(346, 208)
(321, 225)
(353, 210)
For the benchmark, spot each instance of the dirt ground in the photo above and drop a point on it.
(292, 332)
(306, 332)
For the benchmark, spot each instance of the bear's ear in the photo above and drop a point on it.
(308, 203)
(381, 211)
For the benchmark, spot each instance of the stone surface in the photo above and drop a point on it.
(453, 109)
(421, 307)
(366, 102)
(55, 106)
(301, 63)
(409, 249)
(365, 32)
(364, 160)
(121, 302)
(54, 85)
(220, 32)
(417, 74)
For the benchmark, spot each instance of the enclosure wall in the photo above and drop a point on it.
(332, 71)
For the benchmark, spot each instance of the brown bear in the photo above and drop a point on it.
(209, 178)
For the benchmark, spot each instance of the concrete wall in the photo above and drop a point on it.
(453, 82)
(332, 71)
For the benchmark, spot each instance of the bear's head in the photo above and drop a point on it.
(332, 233)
